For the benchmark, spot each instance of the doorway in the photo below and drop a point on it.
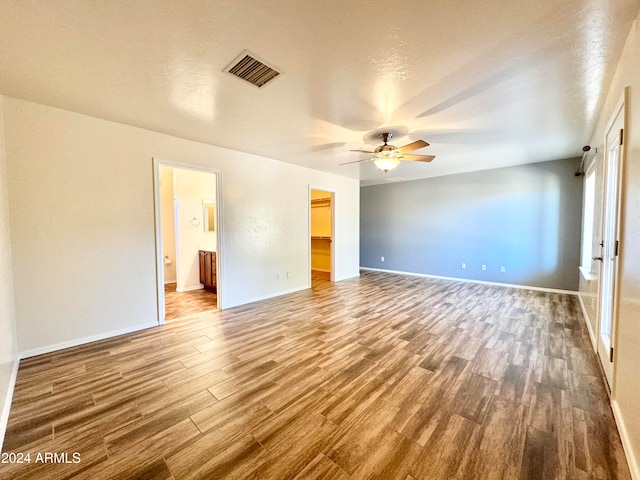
(187, 240)
(321, 241)
(610, 242)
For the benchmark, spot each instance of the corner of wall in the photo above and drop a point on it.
(8, 337)
(6, 402)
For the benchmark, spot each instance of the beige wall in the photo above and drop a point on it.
(87, 268)
(626, 385)
(168, 223)
(8, 343)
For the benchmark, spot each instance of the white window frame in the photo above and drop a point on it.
(588, 215)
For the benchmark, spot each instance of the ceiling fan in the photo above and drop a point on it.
(387, 157)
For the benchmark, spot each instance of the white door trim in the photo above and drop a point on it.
(606, 348)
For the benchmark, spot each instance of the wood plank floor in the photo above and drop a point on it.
(183, 304)
(380, 377)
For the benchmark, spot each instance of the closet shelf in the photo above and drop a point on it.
(319, 237)
(321, 202)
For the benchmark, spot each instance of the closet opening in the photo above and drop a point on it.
(322, 241)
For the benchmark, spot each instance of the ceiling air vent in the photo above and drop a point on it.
(252, 70)
(395, 179)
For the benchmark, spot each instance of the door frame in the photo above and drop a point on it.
(160, 297)
(608, 362)
(332, 249)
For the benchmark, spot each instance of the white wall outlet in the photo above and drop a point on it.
(382, 259)
(503, 269)
(463, 266)
(288, 274)
(484, 267)
(277, 276)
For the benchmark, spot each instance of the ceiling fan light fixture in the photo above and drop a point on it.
(386, 162)
(387, 157)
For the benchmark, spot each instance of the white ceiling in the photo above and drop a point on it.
(488, 83)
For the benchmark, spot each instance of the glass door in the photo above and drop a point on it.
(610, 245)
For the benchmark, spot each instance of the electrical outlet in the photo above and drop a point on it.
(463, 266)
(503, 269)
(288, 274)
(382, 259)
(484, 267)
(277, 276)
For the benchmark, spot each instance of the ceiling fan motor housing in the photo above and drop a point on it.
(385, 150)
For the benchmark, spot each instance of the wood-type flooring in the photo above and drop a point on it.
(184, 304)
(378, 377)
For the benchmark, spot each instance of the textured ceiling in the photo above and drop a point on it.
(487, 84)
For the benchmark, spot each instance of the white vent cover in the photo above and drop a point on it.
(254, 71)
(395, 179)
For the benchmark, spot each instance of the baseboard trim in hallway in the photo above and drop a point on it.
(634, 468)
(81, 341)
(468, 280)
(592, 334)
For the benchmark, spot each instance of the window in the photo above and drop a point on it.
(587, 219)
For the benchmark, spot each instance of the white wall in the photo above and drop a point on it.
(346, 229)
(168, 223)
(8, 342)
(191, 187)
(626, 385)
(86, 267)
(525, 218)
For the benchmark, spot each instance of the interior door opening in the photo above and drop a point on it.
(187, 241)
(322, 245)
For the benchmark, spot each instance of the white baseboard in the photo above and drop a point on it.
(510, 285)
(266, 297)
(82, 341)
(592, 335)
(6, 406)
(634, 468)
(190, 289)
(346, 278)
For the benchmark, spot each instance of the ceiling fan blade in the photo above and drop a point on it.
(413, 146)
(363, 151)
(418, 158)
(357, 161)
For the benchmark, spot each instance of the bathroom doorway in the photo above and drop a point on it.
(187, 240)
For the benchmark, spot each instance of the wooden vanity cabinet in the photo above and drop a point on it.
(208, 270)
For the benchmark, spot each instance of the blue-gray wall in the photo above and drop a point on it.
(525, 218)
